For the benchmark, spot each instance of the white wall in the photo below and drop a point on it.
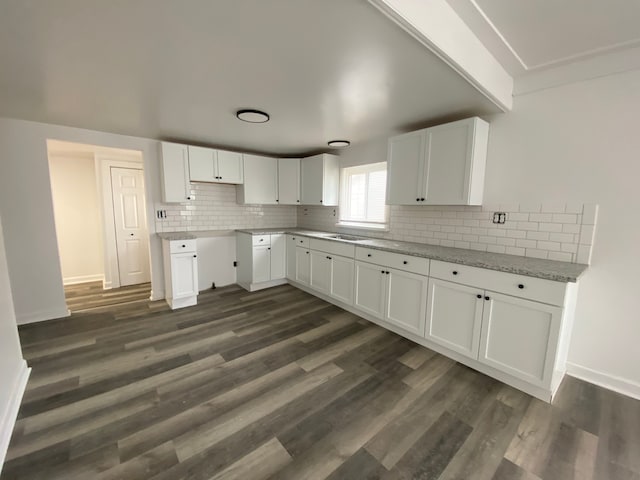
(27, 211)
(77, 216)
(13, 369)
(580, 142)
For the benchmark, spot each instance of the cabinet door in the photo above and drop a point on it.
(278, 256)
(370, 284)
(448, 165)
(175, 173)
(261, 264)
(405, 174)
(303, 265)
(291, 257)
(184, 275)
(342, 269)
(311, 175)
(454, 316)
(519, 337)
(260, 180)
(406, 303)
(289, 181)
(202, 164)
(320, 271)
(230, 168)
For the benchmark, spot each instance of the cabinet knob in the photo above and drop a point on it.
(219, 178)
(417, 199)
(277, 200)
(320, 201)
(188, 198)
(131, 234)
(297, 201)
(382, 271)
(368, 254)
(455, 272)
(195, 256)
(293, 238)
(479, 296)
(262, 239)
(387, 273)
(487, 298)
(520, 286)
(268, 248)
(184, 246)
(307, 253)
(404, 262)
(422, 199)
(328, 258)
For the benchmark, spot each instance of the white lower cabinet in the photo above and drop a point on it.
(406, 301)
(320, 271)
(180, 272)
(291, 256)
(392, 295)
(371, 284)
(342, 271)
(261, 260)
(519, 337)
(454, 316)
(303, 265)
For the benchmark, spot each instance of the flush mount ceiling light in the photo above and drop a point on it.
(252, 116)
(339, 143)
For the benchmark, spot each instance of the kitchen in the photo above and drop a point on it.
(568, 141)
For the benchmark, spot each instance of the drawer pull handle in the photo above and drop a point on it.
(479, 296)
(487, 298)
(520, 286)
(405, 262)
(455, 272)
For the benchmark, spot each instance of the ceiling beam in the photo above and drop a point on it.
(436, 25)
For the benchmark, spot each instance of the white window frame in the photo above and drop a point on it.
(345, 198)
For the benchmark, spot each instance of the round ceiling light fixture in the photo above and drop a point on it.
(339, 143)
(252, 116)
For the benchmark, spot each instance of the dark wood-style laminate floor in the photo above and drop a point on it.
(83, 297)
(278, 384)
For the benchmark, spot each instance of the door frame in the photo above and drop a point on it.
(103, 164)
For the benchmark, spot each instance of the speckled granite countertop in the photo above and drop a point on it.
(194, 234)
(532, 267)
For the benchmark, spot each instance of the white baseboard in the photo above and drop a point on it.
(610, 382)
(40, 315)
(83, 279)
(156, 295)
(10, 413)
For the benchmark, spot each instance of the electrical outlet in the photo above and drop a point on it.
(161, 214)
(499, 217)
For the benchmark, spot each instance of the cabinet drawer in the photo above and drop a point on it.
(261, 240)
(538, 289)
(302, 241)
(182, 246)
(337, 248)
(407, 263)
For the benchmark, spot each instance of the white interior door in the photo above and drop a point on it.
(132, 238)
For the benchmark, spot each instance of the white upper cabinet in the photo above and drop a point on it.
(289, 181)
(260, 185)
(320, 178)
(202, 166)
(442, 165)
(229, 167)
(174, 163)
(218, 166)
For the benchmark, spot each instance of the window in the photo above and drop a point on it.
(363, 195)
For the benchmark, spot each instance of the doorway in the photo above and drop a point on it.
(101, 224)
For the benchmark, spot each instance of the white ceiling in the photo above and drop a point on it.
(531, 35)
(179, 70)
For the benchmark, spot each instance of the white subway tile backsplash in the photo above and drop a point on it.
(530, 229)
(535, 235)
(565, 218)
